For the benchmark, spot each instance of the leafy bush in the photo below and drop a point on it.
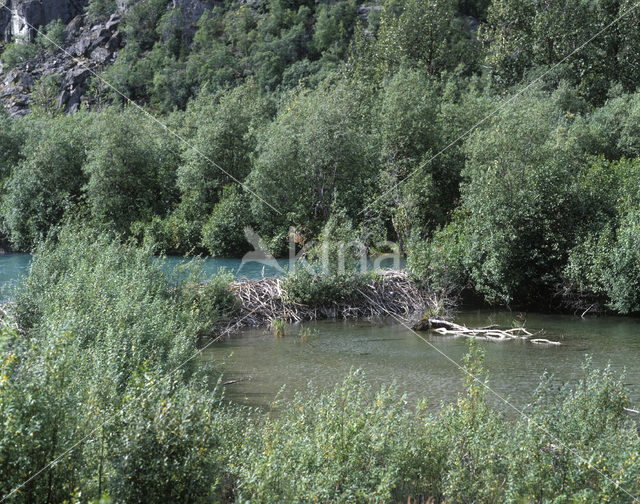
(520, 204)
(223, 234)
(52, 36)
(99, 8)
(108, 332)
(330, 271)
(130, 170)
(167, 445)
(18, 51)
(604, 265)
(178, 233)
(349, 445)
(11, 140)
(524, 38)
(47, 183)
(321, 138)
(353, 445)
(317, 289)
(222, 126)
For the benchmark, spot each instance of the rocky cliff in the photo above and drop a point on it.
(87, 47)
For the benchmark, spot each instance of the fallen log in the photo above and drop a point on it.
(491, 333)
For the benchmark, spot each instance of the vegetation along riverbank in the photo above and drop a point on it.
(102, 378)
(286, 114)
(494, 143)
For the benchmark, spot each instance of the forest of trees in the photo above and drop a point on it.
(485, 138)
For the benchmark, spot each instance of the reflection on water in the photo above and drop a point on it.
(387, 352)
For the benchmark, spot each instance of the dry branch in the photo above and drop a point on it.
(491, 333)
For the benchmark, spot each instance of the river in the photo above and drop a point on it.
(389, 353)
(14, 266)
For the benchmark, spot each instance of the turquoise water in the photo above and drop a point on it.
(388, 353)
(13, 266)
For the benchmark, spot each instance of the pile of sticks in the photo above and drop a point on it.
(492, 333)
(392, 292)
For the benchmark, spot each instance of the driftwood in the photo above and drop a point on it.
(392, 293)
(491, 333)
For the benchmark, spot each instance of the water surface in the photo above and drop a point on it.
(14, 266)
(389, 353)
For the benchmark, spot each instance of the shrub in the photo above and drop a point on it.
(320, 137)
(349, 445)
(166, 449)
(604, 266)
(99, 8)
(130, 170)
(47, 183)
(108, 332)
(11, 139)
(522, 37)
(313, 288)
(574, 443)
(219, 154)
(330, 270)
(223, 234)
(18, 51)
(442, 262)
(52, 36)
(50, 39)
(209, 301)
(520, 204)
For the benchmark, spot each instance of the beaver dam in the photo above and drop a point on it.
(390, 292)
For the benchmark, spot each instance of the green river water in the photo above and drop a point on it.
(389, 353)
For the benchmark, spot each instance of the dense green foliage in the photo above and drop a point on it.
(104, 358)
(103, 364)
(346, 125)
(354, 445)
(415, 120)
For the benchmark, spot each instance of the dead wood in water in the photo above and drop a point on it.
(491, 333)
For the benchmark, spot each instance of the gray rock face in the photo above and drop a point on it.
(19, 17)
(190, 13)
(87, 48)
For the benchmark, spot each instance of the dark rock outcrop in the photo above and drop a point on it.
(86, 49)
